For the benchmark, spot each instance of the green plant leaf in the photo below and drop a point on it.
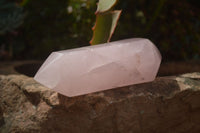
(105, 5)
(24, 2)
(104, 27)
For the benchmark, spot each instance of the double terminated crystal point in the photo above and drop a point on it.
(100, 67)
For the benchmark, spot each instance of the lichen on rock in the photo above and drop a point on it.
(168, 104)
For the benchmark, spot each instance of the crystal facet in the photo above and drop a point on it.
(95, 68)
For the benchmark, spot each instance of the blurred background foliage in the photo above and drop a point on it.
(50, 25)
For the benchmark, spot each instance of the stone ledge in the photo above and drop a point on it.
(167, 105)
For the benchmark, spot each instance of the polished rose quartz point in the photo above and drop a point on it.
(101, 67)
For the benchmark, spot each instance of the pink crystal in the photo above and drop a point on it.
(100, 67)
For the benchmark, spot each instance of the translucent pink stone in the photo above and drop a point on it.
(96, 68)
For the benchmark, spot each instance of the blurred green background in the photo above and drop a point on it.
(32, 29)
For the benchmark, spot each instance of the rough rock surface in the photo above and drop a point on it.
(167, 105)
